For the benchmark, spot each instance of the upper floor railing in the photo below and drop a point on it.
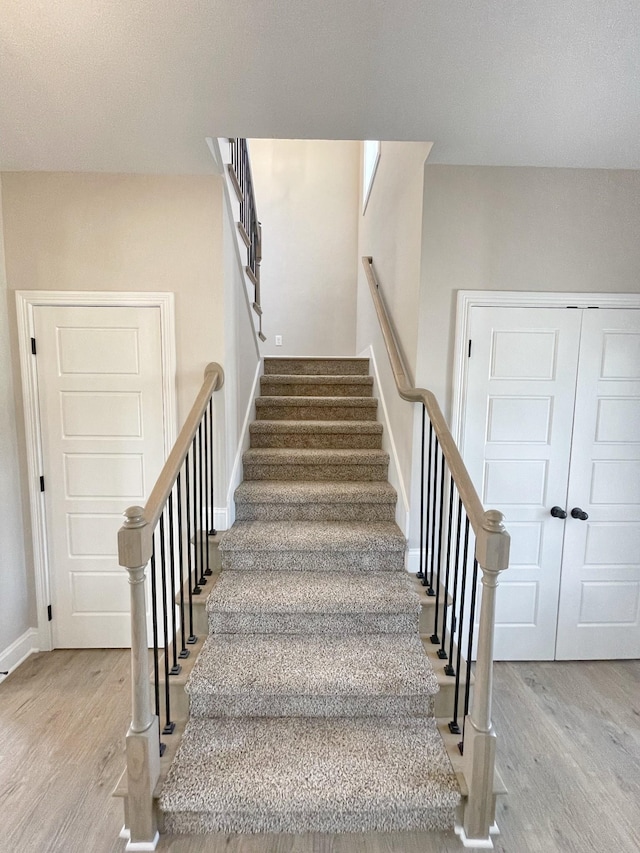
(170, 536)
(451, 518)
(249, 227)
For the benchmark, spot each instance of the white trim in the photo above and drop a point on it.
(478, 843)
(18, 651)
(243, 443)
(141, 845)
(26, 301)
(395, 475)
(367, 187)
(468, 299)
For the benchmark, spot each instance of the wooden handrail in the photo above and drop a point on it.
(492, 555)
(135, 548)
(404, 384)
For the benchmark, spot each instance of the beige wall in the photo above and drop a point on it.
(306, 193)
(73, 231)
(494, 228)
(91, 232)
(17, 612)
(390, 231)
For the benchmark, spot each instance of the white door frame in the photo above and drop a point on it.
(468, 299)
(26, 301)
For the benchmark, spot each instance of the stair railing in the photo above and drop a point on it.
(451, 517)
(168, 534)
(249, 228)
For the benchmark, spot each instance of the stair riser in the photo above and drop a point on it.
(311, 412)
(316, 366)
(444, 700)
(315, 512)
(315, 472)
(310, 623)
(310, 441)
(275, 388)
(314, 561)
(427, 819)
(264, 705)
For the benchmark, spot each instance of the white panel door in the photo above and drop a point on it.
(516, 444)
(599, 613)
(102, 426)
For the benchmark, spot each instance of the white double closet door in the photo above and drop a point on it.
(552, 420)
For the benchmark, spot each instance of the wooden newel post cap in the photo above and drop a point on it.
(493, 521)
(134, 516)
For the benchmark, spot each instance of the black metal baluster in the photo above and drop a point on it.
(467, 681)
(193, 534)
(154, 623)
(442, 654)
(175, 668)
(434, 501)
(420, 572)
(434, 637)
(199, 537)
(453, 725)
(212, 528)
(169, 725)
(449, 668)
(425, 580)
(184, 651)
(207, 492)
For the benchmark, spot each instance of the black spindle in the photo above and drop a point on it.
(434, 501)
(420, 572)
(453, 725)
(434, 637)
(442, 654)
(472, 618)
(169, 725)
(175, 668)
(154, 623)
(449, 668)
(184, 651)
(207, 476)
(425, 580)
(199, 537)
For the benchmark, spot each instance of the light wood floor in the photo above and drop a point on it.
(569, 752)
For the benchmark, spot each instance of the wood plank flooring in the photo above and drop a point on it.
(569, 751)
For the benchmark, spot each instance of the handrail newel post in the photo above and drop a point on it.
(143, 756)
(492, 554)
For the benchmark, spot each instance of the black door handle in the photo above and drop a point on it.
(558, 512)
(576, 512)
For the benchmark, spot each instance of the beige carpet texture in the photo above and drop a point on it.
(311, 703)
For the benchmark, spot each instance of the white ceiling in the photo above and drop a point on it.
(137, 85)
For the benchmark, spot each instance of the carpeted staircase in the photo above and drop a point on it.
(311, 704)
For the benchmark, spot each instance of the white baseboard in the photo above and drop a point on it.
(477, 843)
(395, 477)
(140, 845)
(220, 518)
(18, 651)
(243, 444)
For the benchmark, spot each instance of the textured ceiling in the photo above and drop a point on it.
(116, 85)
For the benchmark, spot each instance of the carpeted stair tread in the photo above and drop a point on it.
(300, 492)
(308, 536)
(339, 434)
(316, 408)
(296, 463)
(272, 675)
(305, 603)
(316, 386)
(302, 775)
(303, 500)
(316, 366)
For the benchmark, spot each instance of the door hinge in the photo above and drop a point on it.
(42, 484)
(469, 353)
(49, 613)
(33, 346)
